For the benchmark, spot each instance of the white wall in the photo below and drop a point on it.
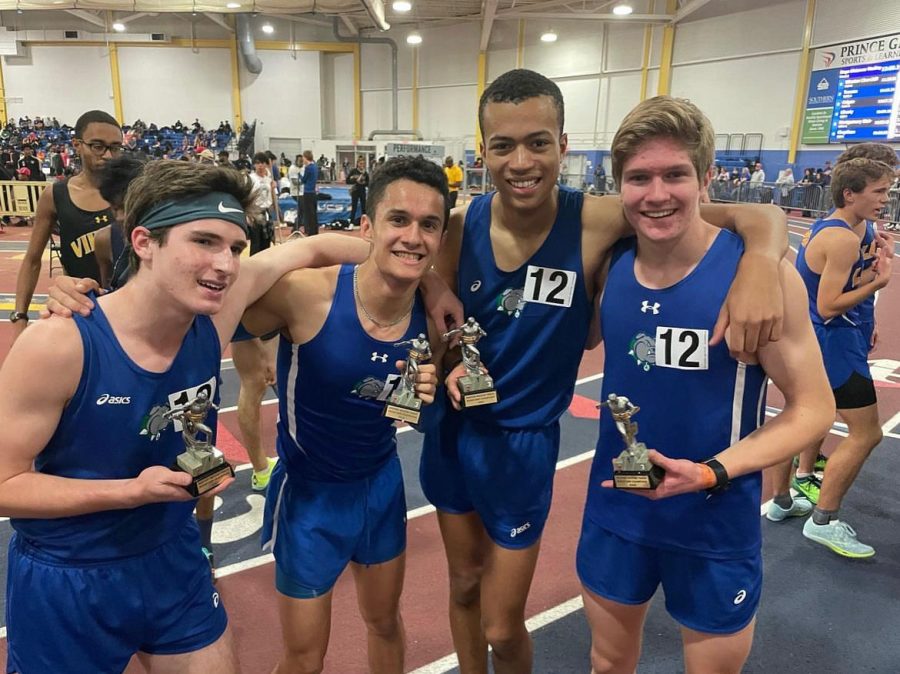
(840, 21)
(61, 82)
(337, 95)
(285, 97)
(163, 84)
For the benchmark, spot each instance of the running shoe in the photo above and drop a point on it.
(839, 537)
(799, 508)
(260, 479)
(819, 466)
(808, 486)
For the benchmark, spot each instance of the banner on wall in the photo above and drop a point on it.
(853, 93)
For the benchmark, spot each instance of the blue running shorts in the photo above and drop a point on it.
(91, 617)
(316, 528)
(715, 596)
(505, 475)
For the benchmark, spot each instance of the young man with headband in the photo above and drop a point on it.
(700, 410)
(101, 521)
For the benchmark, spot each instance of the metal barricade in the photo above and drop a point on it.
(810, 199)
(20, 197)
(891, 212)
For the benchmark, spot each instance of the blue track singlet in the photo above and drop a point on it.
(332, 392)
(850, 318)
(536, 317)
(694, 401)
(113, 428)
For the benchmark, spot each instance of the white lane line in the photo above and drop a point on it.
(551, 615)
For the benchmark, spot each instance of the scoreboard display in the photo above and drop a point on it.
(854, 93)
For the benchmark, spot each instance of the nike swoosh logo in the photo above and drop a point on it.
(226, 209)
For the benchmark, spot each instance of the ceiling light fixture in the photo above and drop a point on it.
(233, 5)
(118, 26)
(268, 28)
(401, 6)
(623, 9)
(414, 38)
(549, 36)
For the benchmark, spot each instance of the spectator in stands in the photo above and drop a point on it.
(785, 183)
(310, 198)
(745, 175)
(759, 176)
(242, 163)
(295, 174)
(454, 179)
(206, 157)
(223, 160)
(808, 177)
(23, 174)
(30, 162)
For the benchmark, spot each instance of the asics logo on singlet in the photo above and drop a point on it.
(107, 399)
(740, 597)
(515, 531)
(215, 599)
(227, 209)
(646, 306)
(376, 356)
(475, 286)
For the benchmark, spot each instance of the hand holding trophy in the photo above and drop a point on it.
(632, 469)
(403, 404)
(476, 387)
(202, 461)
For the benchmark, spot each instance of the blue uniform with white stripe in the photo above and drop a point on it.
(695, 401)
(96, 574)
(500, 459)
(336, 495)
(866, 308)
(842, 339)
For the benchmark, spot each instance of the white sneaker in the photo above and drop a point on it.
(839, 537)
(799, 508)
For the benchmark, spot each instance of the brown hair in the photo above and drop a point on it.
(855, 175)
(665, 116)
(169, 180)
(875, 151)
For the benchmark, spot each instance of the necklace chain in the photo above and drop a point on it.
(366, 311)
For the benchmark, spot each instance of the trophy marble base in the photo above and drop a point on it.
(408, 412)
(638, 479)
(476, 391)
(211, 479)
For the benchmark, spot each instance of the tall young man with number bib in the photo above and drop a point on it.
(698, 533)
(524, 261)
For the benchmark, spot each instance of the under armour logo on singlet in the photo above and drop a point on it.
(646, 306)
(382, 357)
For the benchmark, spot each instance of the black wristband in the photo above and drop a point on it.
(722, 479)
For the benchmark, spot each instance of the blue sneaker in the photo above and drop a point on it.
(839, 537)
(799, 508)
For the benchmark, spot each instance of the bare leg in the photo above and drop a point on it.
(305, 628)
(466, 543)
(616, 633)
(218, 657)
(378, 588)
(250, 362)
(716, 653)
(864, 434)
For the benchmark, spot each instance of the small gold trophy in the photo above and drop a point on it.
(403, 404)
(476, 387)
(632, 469)
(202, 461)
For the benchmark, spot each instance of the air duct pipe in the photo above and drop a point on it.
(247, 43)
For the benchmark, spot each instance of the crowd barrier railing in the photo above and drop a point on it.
(20, 197)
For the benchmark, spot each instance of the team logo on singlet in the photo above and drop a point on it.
(512, 301)
(642, 348)
(155, 421)
(373, 388)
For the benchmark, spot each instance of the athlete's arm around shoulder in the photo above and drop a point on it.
(297, 304)
(794, 364)
(30, 270)
(260, 272)
(37, 381)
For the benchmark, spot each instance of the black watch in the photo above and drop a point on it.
(722, 479)
(18, 316)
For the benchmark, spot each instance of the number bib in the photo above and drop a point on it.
(555, 287)
(682, 348)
